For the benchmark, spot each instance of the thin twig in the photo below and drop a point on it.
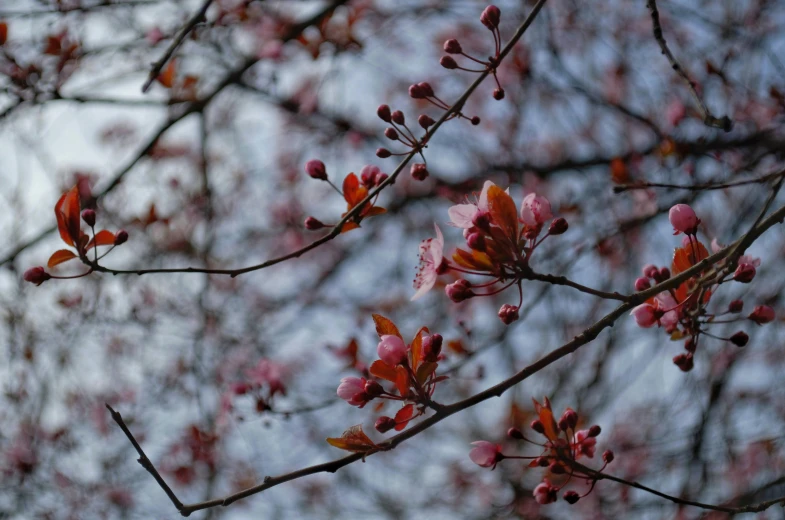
(697, 187)
(196, 19)
(723, 122)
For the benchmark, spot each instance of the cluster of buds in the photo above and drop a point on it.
(354, 191)
(70, 216)
(411, 368)
(500, 243)
(681, 312)
(490, 18)
(561, 451)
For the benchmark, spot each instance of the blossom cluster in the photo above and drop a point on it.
(563, 447)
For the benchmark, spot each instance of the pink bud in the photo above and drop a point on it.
(398, 118)
(537, 426)
(535, 210)
(432, 347)
(515, 433)
(391, 350)
(739, 339)
(594, 431)
(641, 284)
(313, 224)
(762, 314)
(684, 362)
(744, 273)
(36, 275)
(569, 419)
(384, 113)
(545, 493)
(475, 120)
(459, 291)
(490, 17)
(683, 219)
(662, 274)
(383, 153)
(485, 454)
(121, 237)
(416, 92)
(645, 315)
(452, 47)
(498, 94)
(427, 90)
(448, 62)
(650, 270)
(369, 175)
(384, 424)
(571, 496)
(607, 456)
(735, 306)
(476, 241)
(352, 390)
(88, 216)
(508, 314)
(373, 389)
(558, 227)
(418, 171)
(391, 134)
(425, 121)
(316, 169)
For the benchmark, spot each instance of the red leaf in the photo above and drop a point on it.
(503, 212)
(425, 370)
(403, 416)
(375, 210)
(354, 439)
(349, 226)
(402, 381)
(417, 348)
(385, 326)
(60, 256)
(384, 371)
(353, 192)
(67, 212)
(166, 78)
(546, 418)
(102, 238)
(3, 32)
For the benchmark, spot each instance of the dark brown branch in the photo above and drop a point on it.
(723, 122)
(197, 18)
(698, 187)
(562, 280)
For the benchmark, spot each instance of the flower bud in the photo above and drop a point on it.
(459, 291)
(641, 284)
(369, 174)
(482, 220)
(432, 347)
(744, 273)
(398, 118)
(419, 172)
(476, 241)
(683, 219)
(384, 113)
(383, 153)
(425, 121)
(88, 216)
(515, 433)
(416, 92)
(569, 419)
(607, 456)
(448, 62)
(36, 275)
(645, 315)
(121, 237)
(391, 350)
(735, 306)
(558, 227)
(381, 178)
(650, 270)
(684, 362)
(391, 134)
(537, 426)
(427, 90)
(689, 345)
(490, 17)
(508, 313)
(475, 120)
(384, 424)
(762, 314)
(571, 497)
(316, 169)
(452, 47)
(594, 431)
(740, 338)
(313, 224)
(498, 94)
(373, 389)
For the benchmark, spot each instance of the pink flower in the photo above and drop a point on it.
(744, 273)
(316, 169)
(535, 210)
(668, 309)
(462, 215)
(683, 219)
(762, 314)
(644, 315)
(545, 492)
(391, 350)
(352, 390)
(431, 258)
(485, 454)
(270, 373)
(584, 444)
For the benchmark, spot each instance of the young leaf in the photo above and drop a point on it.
(348, 226)
(60, 256)
(403, 416)
(546, 418)
(417, 348)
(402, 381)
(385, 326)
(67, 212)
(102, 238)
(425, 370)
(166, 78)
(503, 212)
(384, 371)
(353, 192)
(354, 439)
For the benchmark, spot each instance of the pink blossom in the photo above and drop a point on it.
(545, 492)
(431, 258)
(683, 219)
(485, 454)
(462, 215)
(644, 315)
(668, 307)
(584, 444)
(391, 350)
(744, 273)
(535, 210)
(352, 390)
(270, 373)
